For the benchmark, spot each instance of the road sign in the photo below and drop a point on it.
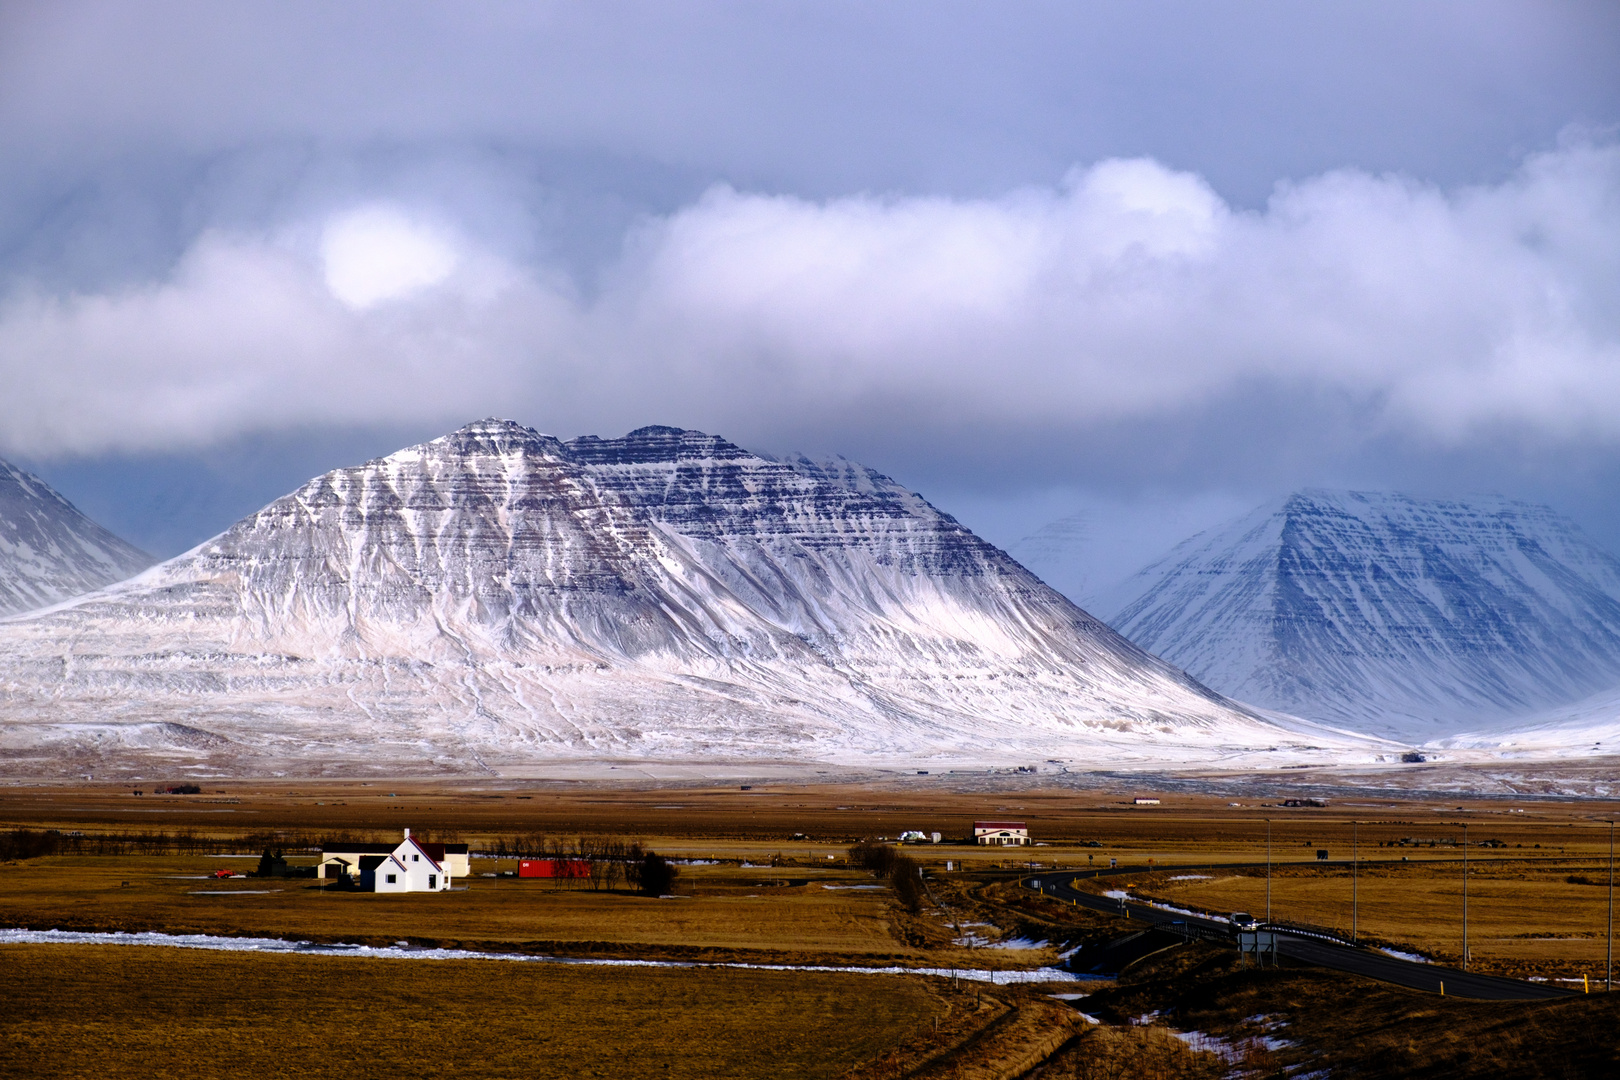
(1259, 944)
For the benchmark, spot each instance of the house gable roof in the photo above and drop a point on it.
(411, 842)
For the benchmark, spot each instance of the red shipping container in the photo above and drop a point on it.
(554, 868)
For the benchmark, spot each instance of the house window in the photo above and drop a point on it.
(416, 858)
(392, 879)
(433, 881)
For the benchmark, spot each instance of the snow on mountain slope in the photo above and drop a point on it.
(1586, 729)
(497, 596)
(1411, 617)
(49, 551)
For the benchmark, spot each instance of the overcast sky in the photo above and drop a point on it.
(1149, 262)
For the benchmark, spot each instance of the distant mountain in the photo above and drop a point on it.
(1583, 730)
(496, 598)
(1085, 555)
(1058, 553)
(49, 552)
(1411, 617)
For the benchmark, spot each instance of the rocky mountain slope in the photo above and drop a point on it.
(1411, 617)
(49, 551)
(498, 597)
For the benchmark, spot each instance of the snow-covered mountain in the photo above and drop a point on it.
(1416, 618)
(1583, 730)
(49, 551)
(498, 597)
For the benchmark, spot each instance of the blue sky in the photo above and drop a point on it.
(1152, 261)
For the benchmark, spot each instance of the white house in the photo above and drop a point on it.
(409, 866)
(1001, 833)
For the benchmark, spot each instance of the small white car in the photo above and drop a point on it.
(1242, 920)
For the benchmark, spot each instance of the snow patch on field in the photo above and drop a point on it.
(1021, 943)
(405, 952)
(1230, 1051)
(1415, 958)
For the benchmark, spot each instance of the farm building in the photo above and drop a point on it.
(408, 866)
(554, 868)
(1001, 833)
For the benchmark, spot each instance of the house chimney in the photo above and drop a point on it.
(407, 834)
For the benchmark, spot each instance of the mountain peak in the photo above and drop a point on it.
(49, 551)
(656, 444)
(497, 430)
(1414, 615)
(498, 596)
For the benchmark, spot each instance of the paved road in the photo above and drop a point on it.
(1358, 961)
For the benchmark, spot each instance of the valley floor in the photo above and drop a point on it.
(764, 880)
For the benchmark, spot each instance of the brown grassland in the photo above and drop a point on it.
(1525, 920)
(765, 880)
(116, 1012)
(1526, 916)
(1276, 1022)
(723, 912)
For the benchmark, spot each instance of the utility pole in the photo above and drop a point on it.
(1268, 869)
(1608, 963)
(1355, 865)
(1465, 898)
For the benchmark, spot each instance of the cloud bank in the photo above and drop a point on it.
(1128, 292)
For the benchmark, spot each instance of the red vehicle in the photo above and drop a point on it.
(223, 873)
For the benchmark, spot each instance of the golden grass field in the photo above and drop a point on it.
(137, 1012)
(1311, 1022)
(720, 910)
(767, 882)
(1524, 919)
(1523, 914)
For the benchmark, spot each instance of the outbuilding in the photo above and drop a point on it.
(554, 868)
(1001, 833)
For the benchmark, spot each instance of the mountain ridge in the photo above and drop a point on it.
(1415, 618)
(49, 550)
(499, 595)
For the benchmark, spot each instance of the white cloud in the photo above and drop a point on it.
(1135, 291)
(377, 253)
(249, 334)
(1130, 291)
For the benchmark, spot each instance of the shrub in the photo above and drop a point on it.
(26, 844)
(653, 875)
(903, 872)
